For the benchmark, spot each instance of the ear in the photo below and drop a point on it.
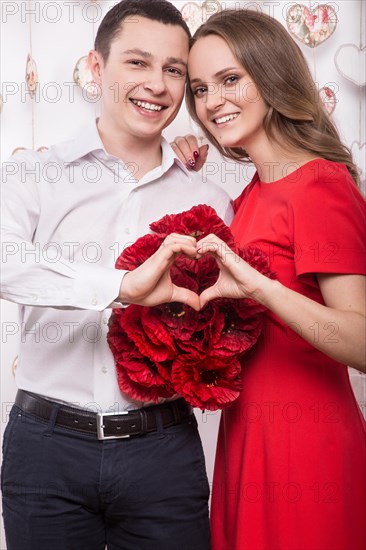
(95, 62)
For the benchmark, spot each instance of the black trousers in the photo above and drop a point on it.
(66, 491)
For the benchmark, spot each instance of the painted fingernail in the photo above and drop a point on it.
(191, 163)
(196, 154)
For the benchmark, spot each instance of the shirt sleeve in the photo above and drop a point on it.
(31, 277)
(327, 214)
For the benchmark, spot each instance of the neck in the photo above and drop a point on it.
(273, 162)
(140, 154)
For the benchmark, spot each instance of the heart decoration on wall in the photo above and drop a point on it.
(350, 61)
(31, 75)
(195, 14)
(311, 26)
(328, 98)
(192, 15)
(209, 7)
(83, 78)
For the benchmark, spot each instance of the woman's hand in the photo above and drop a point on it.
(150, 284)
(189, 152)
(237, 279)
(336, 328)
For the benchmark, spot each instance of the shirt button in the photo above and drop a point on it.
(127, 230)
(104, 370)
(105, 320)
(94, 302)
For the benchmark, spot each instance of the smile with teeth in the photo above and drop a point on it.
(225, 118)
(146, 105)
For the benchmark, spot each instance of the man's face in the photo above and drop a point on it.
(142, 82)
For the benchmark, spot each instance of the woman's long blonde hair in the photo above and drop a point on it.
(296, 116)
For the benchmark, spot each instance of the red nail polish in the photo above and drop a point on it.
(191, 163)
(196, 154)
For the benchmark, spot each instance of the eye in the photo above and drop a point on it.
(199, 92)
(232, 79)
(174, 71)
(136, 62)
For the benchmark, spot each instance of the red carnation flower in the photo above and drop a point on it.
(211, 384)
(198, 222)
(241, 330)
(143, 327)
(257, 259)
(138, 252)
(138, 376)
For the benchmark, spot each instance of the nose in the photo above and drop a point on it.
(214, 97)
(155, 82)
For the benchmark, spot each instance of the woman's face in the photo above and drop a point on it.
(227, 101)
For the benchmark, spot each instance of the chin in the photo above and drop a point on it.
(229, 143)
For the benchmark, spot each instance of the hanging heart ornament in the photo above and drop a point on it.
(210, 7)
(328, 99)
(311, 26)
(192, 15)
(31, 75)
(351, 63)
(83, 78)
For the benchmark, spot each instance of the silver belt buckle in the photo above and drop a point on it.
(101, 426)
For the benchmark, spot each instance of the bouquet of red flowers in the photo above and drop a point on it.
(171, 349)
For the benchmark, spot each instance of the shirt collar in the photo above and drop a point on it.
(89, 141)
(169, 158)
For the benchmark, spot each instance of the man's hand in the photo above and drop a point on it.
(150, 284)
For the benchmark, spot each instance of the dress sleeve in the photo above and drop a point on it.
(327, 214)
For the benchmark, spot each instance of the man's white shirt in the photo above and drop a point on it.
(67, 214)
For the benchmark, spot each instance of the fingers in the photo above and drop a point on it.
(207, 295)
(215, 246)
(186, 296)
(189, 152)
(174, 244)
(167, 253)
(203, 154)
(178, 237)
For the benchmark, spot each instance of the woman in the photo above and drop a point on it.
(290, 467)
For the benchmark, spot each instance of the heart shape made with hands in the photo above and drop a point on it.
(311, 26)
(168, 269)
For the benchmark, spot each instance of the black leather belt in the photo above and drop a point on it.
(105, 425)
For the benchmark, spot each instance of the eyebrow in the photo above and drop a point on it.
(216, 75)
(147, 55)
(137, 51)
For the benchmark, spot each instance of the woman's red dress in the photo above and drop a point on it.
(290, 470)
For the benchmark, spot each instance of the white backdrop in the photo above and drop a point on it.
(57, 33)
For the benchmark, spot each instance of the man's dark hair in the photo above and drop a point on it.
(157, 10)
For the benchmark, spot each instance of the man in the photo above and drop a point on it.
(72, 477)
